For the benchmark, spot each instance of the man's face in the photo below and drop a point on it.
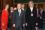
(23, 6)
(31, 4)
(18, 6)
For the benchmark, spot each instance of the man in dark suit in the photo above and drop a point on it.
(43, 20)
(18, 18)
(31, 16)
(23, 8)
(39, 17)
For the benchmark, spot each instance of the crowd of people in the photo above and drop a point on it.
(22, 18)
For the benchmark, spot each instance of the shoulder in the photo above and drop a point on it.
(15, 12)
(27, 10)
(43, 11)
(35, 8)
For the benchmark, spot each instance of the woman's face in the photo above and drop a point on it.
(11, 8)
(7, 6)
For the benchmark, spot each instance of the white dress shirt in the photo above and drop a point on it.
(19, 10)
(31, 8)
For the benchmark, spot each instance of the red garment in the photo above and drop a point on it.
(4, 19)
(0, 22)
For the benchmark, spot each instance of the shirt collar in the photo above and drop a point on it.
(31, 8)
(19, 10)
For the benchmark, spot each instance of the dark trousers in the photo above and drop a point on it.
(23, 28)
(18, 28)
(30, 27)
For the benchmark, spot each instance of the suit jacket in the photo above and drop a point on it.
(18, 20)
(11, 14)
(43, 14)
(31, 19)
(43, 17)
(10, 19)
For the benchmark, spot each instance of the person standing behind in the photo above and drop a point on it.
(23, 8)
(43, 20)
(10, 18)
(4, 18)
(30, 16)
(18, 18)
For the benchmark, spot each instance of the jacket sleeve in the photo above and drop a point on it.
(23, 18)
(26, 16)
(13, 18)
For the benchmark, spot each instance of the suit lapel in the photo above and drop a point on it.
(17, 13)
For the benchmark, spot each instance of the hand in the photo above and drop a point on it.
(26, 24)
(23, 25)
(36, 23)
(3, 24)
(13, 25)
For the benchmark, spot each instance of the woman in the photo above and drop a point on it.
(4, 18)
(0, 22)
